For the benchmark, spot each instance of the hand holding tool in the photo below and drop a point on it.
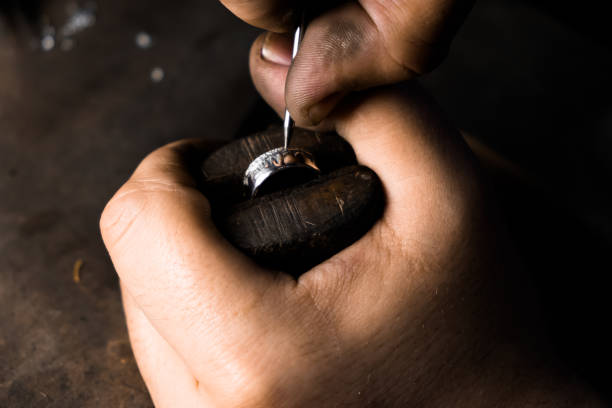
(291, 207)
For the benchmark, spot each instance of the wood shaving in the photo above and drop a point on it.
(76, 271)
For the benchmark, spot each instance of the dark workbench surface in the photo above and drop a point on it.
(73, 124)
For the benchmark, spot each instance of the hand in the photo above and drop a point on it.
(351, 46)
(418, 312)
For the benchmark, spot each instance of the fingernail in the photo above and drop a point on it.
(276, 48)
(322, 109)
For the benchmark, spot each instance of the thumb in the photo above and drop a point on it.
(364, 44)
(342, 51)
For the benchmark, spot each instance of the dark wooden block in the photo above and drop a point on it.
(302, 225)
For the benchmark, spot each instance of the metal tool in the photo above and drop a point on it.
(293, 163)
(288, 122)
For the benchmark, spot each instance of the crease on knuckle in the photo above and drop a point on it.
(127, 206)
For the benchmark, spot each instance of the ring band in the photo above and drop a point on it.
(276, 161)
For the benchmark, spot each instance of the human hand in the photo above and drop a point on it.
(418, 312)
(350, 45)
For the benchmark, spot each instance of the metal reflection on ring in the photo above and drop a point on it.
(275, 161)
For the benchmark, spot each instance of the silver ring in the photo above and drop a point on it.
(274, 162)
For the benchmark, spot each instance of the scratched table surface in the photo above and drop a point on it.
(79, 107)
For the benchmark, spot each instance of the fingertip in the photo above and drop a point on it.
(276, 48)
(169, 170)
(268, 76)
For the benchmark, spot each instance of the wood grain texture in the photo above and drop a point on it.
(299, 226)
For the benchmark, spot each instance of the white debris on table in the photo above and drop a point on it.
(157, 74)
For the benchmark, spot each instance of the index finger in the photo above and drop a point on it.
(272, 15)
(277, 15)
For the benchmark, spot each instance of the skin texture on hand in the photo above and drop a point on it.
(352, 45)
(421, 311)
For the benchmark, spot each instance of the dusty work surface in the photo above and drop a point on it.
(73, 125)
(75, 120)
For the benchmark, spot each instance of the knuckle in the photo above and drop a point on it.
(267, 371)
(121, 212)
(260, 383)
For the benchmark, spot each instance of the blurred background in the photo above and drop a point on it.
(88, 88)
